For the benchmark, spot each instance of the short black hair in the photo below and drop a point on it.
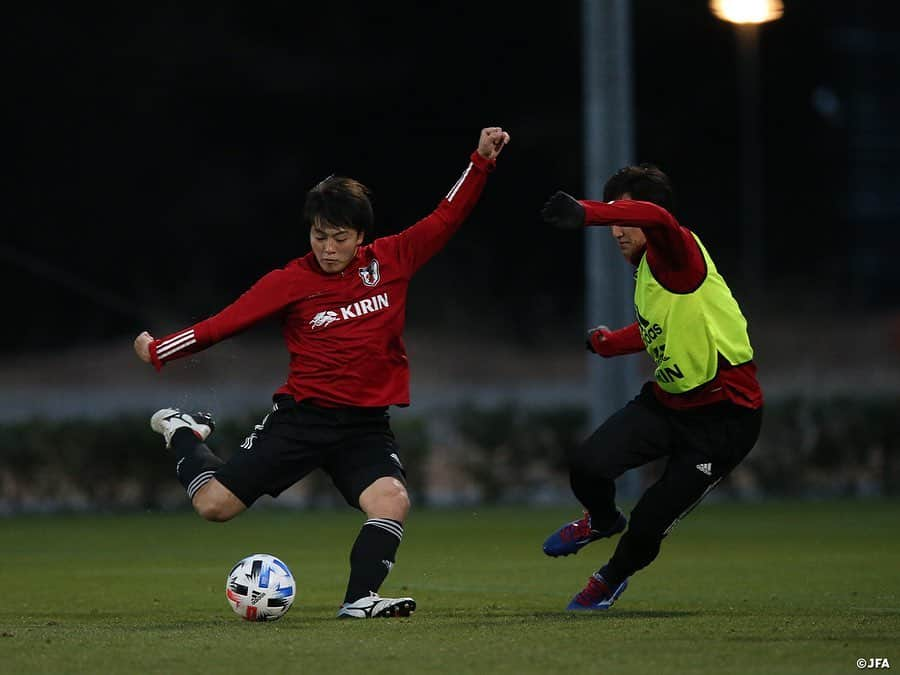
(644, 182)
(339, 202)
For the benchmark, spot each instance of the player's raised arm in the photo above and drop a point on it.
(418, 243)
(639, 227)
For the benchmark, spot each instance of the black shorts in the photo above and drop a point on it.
(354, 446)
(711, 439)
(701, 446)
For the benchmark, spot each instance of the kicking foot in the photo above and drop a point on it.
(375, 606)
(169, 420)
(574, 536)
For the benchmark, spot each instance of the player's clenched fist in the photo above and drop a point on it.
(142, 346)
(491, 142)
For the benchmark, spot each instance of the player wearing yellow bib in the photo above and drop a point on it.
(703, 409)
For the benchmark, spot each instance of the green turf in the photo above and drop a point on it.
(739, 588)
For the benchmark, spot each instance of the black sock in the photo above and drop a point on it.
(603, 525)
(372, 556)
(598, 495)
(612, 578)
(632, 553)
(196, 463)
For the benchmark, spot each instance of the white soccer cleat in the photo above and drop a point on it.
(169, 420)
(375, 606)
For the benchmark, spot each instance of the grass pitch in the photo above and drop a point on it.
(738, 588)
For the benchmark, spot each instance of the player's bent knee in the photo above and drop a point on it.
(216, 513)
(400, 502)
(394, 504)
(216, 503)
(385, 498)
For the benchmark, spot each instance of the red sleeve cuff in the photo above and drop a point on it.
(486, 165)
(626, 340)
(154, 358)
(601, 344)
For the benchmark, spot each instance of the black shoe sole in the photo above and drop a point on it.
(404, 608)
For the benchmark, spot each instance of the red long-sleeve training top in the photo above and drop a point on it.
(344, 330)
(675, 259)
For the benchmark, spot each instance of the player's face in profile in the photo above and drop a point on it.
(334, 247)
(631, 240)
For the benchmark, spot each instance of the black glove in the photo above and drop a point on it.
(563, 211)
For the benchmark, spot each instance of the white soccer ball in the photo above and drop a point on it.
(260, 588)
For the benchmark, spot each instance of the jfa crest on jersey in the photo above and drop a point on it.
(371, 273)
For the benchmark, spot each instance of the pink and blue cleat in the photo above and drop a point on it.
(597, 596)
(574, 536)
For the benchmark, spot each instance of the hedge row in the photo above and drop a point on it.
(820, 448)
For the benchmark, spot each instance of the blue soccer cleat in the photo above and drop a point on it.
(574, 536)
(597, 596)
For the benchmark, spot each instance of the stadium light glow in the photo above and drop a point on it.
(747, 16)
(747, 11)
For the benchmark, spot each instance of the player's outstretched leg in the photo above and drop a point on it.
(572, 537)
(598, 595)
(184, 433)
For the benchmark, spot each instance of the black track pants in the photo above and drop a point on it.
(702, 446)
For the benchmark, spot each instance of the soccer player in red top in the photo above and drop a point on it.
(342, 312)
(703, 410)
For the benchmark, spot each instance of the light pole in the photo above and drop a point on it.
(609, 145)
(747, 16)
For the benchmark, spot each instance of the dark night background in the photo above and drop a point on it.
(159, 156)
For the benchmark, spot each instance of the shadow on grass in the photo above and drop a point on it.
(477, 618)
(638, 614)
(618, 615)
(310, 616)
(97, 619)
